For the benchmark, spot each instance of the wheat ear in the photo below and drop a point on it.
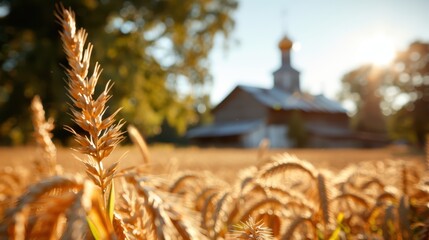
(180, 183)
(42, 134)
(355, 198)
(385, 197)
(264, 144)
(166, 218)
(138, 140)
(324, 201)
(100, 135)
(289, 233)
(220, 215)
(373, 181)
(284, 163)
(404, 217)
(388, 223)
(35, 196)
(274, 203)
(252, 230)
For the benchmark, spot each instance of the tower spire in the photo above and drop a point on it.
(286, 78)
(284, 21)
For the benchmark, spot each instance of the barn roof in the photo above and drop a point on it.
(278, 99)
(273, 98)
(224, 129)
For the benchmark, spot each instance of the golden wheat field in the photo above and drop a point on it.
(222, 162)
(232, 188)
(103, 191)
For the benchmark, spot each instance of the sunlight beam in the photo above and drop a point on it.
(378, 49)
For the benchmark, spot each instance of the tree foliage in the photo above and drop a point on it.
(403, 89)
(156, 51)
(410, 77)
(362, 86)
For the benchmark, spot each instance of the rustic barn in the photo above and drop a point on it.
(283, 114)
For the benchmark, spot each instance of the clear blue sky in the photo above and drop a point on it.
(335, 36)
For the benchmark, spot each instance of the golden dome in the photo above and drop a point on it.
(285, 44)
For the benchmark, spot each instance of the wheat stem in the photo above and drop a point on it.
(100, 135)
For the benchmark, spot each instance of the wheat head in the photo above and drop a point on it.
(42, 134)
(101, 134)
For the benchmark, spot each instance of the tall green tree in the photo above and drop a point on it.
(362, 86)
(409, 79)
(156, 52)
(402, 89)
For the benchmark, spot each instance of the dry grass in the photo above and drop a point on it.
(224, 162)
(42, 134)
(289, 195)
(198, 193)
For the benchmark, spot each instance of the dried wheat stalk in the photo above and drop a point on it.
(263, 147)
(270, 203)
(324, 199)
(404, 217)
(43, 204)
(100, 135)
(182, 180)
(286, 162)
(251, 230)
(167, 216)
(222, 210)
(138, 140)
(296, 223)
(42, 134)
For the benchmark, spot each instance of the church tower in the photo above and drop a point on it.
(286, 78)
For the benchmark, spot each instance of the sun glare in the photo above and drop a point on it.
(296, 46)
(378, 49)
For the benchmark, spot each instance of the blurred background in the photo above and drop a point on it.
(173, 62)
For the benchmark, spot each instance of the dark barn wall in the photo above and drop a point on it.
(337, 122)
(239, 106)
(326, 142)
(336, 119)
(226, 141)
(333, 119)
(278, 116)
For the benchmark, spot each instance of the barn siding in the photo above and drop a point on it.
(332, 119)
(253, 138)
(337, 119)
(277, 134)
(325, 128)
(324, 142)
(238, 106)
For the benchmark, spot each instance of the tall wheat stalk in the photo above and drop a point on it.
(100, 135)
(138, 140)
(42, 134)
